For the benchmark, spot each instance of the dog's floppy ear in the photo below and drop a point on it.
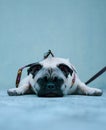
(34, 69)
(65, 69)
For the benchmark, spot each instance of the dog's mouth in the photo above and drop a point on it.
(50, 94)
(53, 95)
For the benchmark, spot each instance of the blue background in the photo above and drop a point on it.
(74, 29)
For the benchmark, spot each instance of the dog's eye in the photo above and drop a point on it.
(55, 79)
(45, 78)
(40, 80)
(58, 80)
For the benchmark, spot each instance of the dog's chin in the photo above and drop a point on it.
(50, 94)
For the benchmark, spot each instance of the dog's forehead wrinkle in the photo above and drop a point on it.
(53, 62)
(50, 73)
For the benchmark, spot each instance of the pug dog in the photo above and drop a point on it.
(53, 77)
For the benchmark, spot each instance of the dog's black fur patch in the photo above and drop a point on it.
(34, 69)
(65, 69)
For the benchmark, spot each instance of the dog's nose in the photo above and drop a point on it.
(51, 86)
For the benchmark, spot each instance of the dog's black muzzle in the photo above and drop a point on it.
(50, 94)
(50, 88)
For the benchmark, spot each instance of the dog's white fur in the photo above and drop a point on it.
(77, 88)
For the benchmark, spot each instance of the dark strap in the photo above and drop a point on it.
(96, 75)
(18, 78)
(48, 53)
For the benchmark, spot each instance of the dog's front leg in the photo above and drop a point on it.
(85, 90)
(25, 89)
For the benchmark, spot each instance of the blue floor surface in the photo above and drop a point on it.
(68, 113)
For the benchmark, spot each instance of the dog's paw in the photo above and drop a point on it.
(95, 92)
(13, 92)
(98, 92)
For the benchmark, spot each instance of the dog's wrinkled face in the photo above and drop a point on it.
(50, 80)
(50, 83)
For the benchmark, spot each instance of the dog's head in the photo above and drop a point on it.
(50, 77)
